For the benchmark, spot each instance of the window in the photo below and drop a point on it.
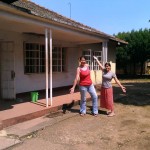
(98, 54)
(89, 57)
(34, 58)
(58, 63)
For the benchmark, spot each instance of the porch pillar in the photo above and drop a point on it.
(50, 47)
(104, 52)
(48, 67)
(46, 64)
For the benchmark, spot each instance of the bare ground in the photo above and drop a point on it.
(129, 129)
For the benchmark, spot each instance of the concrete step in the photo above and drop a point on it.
(22, 118)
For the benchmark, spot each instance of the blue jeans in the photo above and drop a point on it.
(91, 90)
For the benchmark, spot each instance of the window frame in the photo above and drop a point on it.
(90, 60)
(60, 53)
(33, 63)
(34, 58)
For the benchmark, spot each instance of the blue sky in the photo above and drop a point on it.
(109, 16)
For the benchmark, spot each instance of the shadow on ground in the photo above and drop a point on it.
(138, 94)
(26, 97)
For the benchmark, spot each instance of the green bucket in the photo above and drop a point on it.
(34, 96)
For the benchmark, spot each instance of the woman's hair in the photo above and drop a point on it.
(82, 57)
(107, 64)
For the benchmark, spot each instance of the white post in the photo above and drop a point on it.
(46, 64)
(50, 46)
(104, 52)
(61, 59)
(91, 64)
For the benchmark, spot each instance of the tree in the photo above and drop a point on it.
(122, 53)
(137, 51)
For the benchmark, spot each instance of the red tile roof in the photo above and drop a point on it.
(34, 9)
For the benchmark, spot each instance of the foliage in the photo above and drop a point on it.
(136, 52)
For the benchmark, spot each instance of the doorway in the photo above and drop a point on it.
(7, 74)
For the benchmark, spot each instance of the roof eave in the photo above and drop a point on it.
(96, 33)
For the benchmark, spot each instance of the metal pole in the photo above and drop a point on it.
(50, 45)
(70, 9)
(106, 47)
(46, 64)
(103, 53)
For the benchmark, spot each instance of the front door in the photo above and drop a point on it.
(7, 74)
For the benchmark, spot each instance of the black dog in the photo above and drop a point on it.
(66, 107)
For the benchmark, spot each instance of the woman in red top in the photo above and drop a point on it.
(85, 85)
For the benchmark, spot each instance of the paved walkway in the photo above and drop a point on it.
(23, 119)
(24, 109)
(15, 134)
(25, 112)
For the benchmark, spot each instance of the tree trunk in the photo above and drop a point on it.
(134, 68)
(142, 68)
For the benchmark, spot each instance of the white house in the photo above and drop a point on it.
(39, 49)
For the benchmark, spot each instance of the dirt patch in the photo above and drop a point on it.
(129, 129)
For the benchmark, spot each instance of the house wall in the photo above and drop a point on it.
(31, 82)
(96, 76)
(112, 56)
(59, 78)
(23, 82)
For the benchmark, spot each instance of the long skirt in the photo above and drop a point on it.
(106, 98)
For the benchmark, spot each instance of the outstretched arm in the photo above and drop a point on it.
(101, 66)
(118, 82)
(75, 81)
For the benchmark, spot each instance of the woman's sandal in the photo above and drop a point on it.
(82, 114)
(111, 114)
(95, 115)
(108, 112)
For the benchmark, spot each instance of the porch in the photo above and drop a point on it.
(23, 109)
